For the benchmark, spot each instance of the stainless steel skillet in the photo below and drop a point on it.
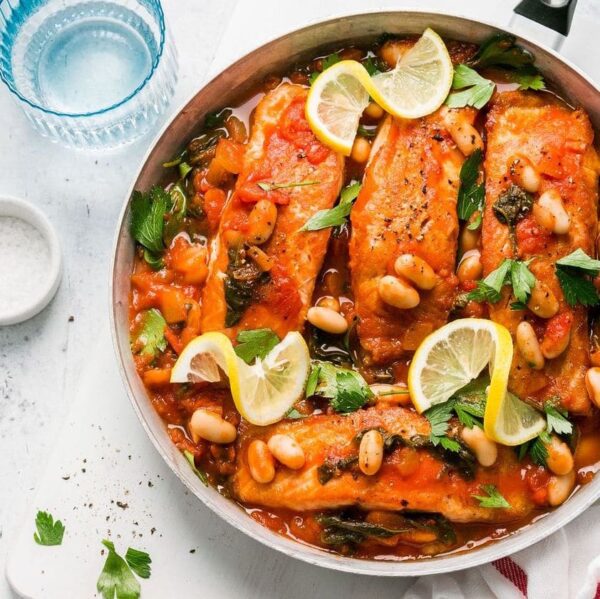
(228, 88)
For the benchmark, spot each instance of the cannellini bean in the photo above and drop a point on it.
(551, 202)
(592, 384)
(529, 346)
(370, 453)
(485, 450)
(374, 111)
(560, 458)
(393, 394)
(416, 270)
(361, 149)
(260, 462)
(469, 240)
(327, 320)
(556, 338)
(560, 487)
(543, 217)
(328, 301)
(466, 137)
(524, 174)
(287, 451)
(542, 301)
(261, 222)
(470, 267)
(397, 293)
(261, 259)
(208, 425)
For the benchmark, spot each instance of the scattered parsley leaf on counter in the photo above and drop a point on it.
(189, 456)
(255, 343)
(147, 218)
(117, 579)
(48, 532)
(346, 389)
(493, 499)
(139, 562)
(557, 420)
(471, 194)
(476, 90)
(572, 273)
(152, 334)
(336, 216)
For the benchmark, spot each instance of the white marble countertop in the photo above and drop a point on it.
(82, 193)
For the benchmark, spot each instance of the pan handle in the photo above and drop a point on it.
(546, 20)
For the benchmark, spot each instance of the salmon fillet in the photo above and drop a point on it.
(407, 204)
(282, 150)
(411, 479)
(558, 141)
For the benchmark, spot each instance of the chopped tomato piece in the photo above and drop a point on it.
(157, 377)
(172, 303)
(230, 155)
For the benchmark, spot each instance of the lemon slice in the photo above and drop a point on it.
(262, 392)
(335, 103)
(454, 355)
(420, 82)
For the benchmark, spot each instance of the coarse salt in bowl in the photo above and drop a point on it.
(30, 268)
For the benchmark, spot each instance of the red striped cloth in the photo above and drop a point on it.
(515, 574)
(597, 595)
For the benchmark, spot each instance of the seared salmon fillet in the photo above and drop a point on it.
(409, 479)
(282, 153)
(558, 142)
(407, 204)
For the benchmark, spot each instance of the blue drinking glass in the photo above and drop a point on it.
(88, 73)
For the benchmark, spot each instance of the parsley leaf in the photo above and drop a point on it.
(336, 216)
(346, 389)
(576, 287)
(581, 261)
(513, 272)
(256, 343)
(493, 500)
(522, 280)
(139, 562)
(327, 62)
(471, 194)
(152, 333)
(538, 451)
(373, 66)
(500, 49)
(48, 532)
(293, 414)
(313, 380)
(189, 456)
(528, 78)
(557, 420)
(438, 417)
(147, 218)
(117, 579)
(477, 90)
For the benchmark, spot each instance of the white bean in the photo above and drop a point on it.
(208, 425)
(560, 458)
(485, 450)
(416, 270)
(552, 202)
(287, 451)
(261, 222)
(529, 346)
(466, 137)
(592, 384)
(560, 487)
(524, 174)
(397, 293)
(470, 267)
(260, 462)
(327, 320)
(370, 453)
(542, 301)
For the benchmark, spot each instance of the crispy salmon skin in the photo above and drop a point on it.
(282, 152)
(559, 143)
(409, 479)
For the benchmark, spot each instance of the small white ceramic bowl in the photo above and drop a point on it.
(36, 218)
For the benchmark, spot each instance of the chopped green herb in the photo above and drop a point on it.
(48, 532)
(577, 289)
(528, 77)
(557, 420)
(139, 562)
(117, 581)
(510, 272)
(476, 222)
(255, 343)
(438, 417)
(313, 380)
(372, 65)
(493, 498)
(189, 456)
(152, 333)
(367, 132)
(147, 218)
(346, 389)
(271, 186)
(184, 169)
(217, 118)
(522, 280)
(501, 49)
(328, 61)
(476, 90)
(176, 161)
(581, 261)
(336, 216)
(293, 414)
(518, 306)
(471, 194)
